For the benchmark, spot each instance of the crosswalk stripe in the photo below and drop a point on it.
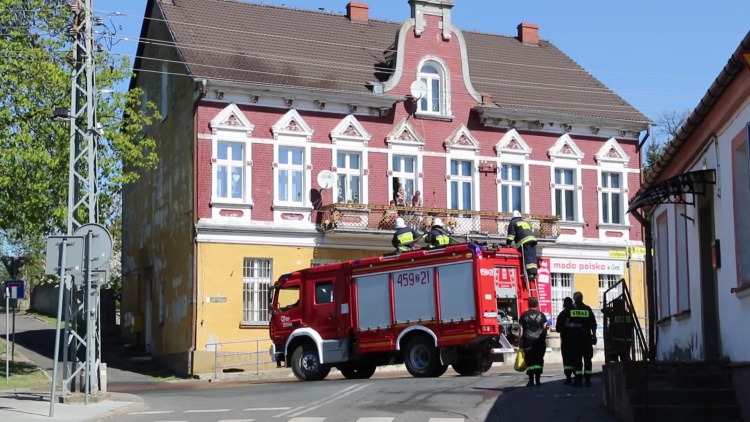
(153, 412)
(447, 420)
(384, 419)
(260, 409)
(208, 411)
(307, 420)
(237, 420)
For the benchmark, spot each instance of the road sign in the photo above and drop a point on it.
(101, 243)
(73, 255)
(15, 288)
(618, 254)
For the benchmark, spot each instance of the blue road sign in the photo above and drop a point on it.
(16, 287)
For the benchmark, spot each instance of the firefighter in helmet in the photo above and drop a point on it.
(519, 231)
(405, 237)
(438, 237)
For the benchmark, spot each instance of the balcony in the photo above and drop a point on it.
(461, 223)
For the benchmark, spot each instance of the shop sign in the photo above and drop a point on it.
(587, 266)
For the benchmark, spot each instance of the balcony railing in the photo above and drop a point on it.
(361, 217)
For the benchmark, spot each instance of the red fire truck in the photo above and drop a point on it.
(427, 309)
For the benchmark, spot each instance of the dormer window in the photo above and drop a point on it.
(432, 102)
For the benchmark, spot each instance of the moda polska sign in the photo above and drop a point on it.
(587, 266)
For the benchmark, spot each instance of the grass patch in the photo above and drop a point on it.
(22, 374)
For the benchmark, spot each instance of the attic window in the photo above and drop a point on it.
(434, 77)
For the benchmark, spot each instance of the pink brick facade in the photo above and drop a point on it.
(430, 45)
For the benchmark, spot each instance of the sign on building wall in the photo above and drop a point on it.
(586, 266)
(544, 287)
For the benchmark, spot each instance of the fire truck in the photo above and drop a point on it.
(427, 309)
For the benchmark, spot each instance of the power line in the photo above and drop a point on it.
(380, 50)
(311, 62)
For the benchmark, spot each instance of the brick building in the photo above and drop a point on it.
(286, 134)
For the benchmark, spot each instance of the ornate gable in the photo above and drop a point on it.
(292, 125)
(404, 134)
(350, 129)
(232, 119)
(512, 143)
(612, 152)
(565, 149)
(461, 139)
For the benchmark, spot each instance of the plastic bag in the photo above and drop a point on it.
(520, 365)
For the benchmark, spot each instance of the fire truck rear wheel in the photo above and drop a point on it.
(421, 357)
(306, 364)
(440, 370)
(361, 371)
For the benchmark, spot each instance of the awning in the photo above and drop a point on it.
(673, 191)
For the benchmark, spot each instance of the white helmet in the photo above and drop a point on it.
(438, 222)
(400, 223)
(516, 213)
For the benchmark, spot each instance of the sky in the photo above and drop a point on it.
(659, 55)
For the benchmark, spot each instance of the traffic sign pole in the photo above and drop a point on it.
(61, 294)
(7, 330)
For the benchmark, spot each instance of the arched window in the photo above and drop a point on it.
(432, 75)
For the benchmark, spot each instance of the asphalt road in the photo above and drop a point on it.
(390, 397)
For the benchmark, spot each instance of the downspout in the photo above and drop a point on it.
(201, 88)
(650, 287)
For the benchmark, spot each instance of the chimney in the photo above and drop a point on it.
(528, 33)
(358, 11)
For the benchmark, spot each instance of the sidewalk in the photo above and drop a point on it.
(551, 401)
(34, 406)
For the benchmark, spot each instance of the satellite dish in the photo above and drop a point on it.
(326, 179)
(418, 90)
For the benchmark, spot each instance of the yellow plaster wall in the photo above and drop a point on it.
(588, 284)
(220, 271)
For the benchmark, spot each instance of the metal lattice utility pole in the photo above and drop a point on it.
(79, 290)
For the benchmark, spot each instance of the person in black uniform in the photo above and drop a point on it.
(619, 331)
(405, 237)
(566, 349)
(519, 231)
(583, 335)
(533, 341)
(438, 237)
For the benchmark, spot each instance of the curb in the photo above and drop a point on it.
(135, 405)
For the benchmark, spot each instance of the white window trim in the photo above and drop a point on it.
(349, 172)
(246, 182)
(445, 79)
(231, 125)
(512, 149)
(623, 191)
(577, 214)
(299, 137)
(259, 292)
(474, 177)
(523, 183)
(408, 152)
(344, 140)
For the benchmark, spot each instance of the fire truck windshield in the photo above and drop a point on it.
(287, 297)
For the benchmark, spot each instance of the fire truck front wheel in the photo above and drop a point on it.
(421, 357)
(306, 364)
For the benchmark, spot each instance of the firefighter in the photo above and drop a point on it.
(582, 325)
(519, 231)
(405, 237)
(533, 341)
(566, 348)
(619, 331)
(438, 237)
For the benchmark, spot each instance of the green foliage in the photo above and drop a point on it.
(35, 77)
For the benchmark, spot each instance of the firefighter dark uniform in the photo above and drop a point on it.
(520, 232)
(566, 348)
(582, 323)
(533, 341)
(405, 237)
(619, 333)
(438, 237)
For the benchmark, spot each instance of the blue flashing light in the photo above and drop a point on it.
(474, 248)
(356, 262)
(285, 276)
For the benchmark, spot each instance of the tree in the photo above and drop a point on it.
(667, 127)
(34, 149)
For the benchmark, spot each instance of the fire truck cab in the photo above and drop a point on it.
(427, 309)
